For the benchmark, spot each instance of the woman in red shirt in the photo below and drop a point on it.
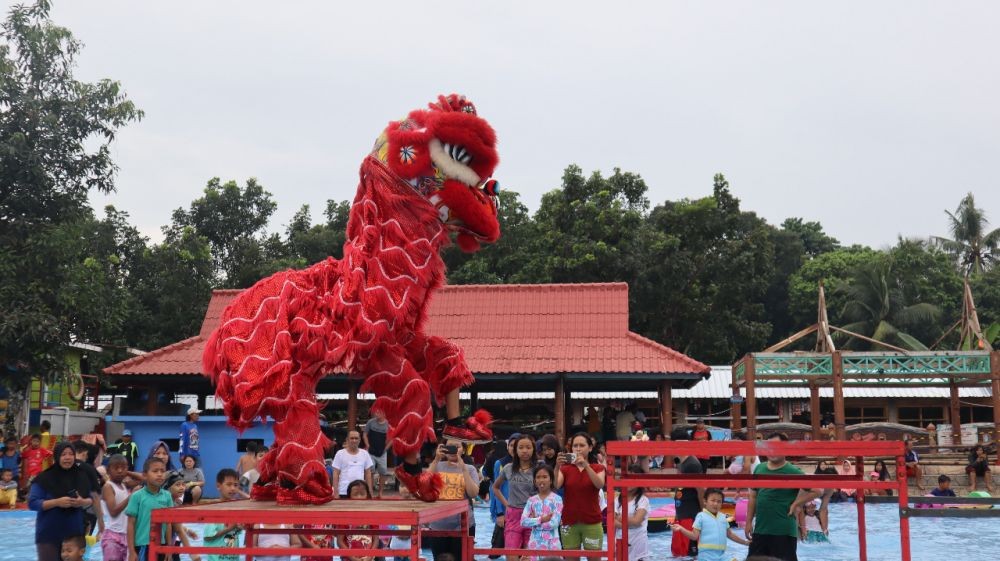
(582, 479)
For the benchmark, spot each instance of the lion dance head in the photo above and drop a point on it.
(448, 154)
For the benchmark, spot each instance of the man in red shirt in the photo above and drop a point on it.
(33, 459)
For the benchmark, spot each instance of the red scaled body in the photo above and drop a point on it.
(363, 314)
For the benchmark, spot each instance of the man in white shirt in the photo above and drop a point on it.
(351, 464)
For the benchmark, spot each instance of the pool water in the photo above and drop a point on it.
(932, 539)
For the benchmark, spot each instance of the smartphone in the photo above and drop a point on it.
(450, 449)
(73, 494)
(570, 457)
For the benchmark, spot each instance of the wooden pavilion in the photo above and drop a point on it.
(893, 367)
(516, 338)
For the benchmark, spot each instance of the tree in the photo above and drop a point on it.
(877, 308)
(233, 220)
(309, 243)
(973, 246)
(587, 230)
(171, 287)
(707, 267)
(55, 136)
(836, 270)
(814, 240)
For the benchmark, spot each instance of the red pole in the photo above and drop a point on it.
(609, 489)
(904, 503)
(467, 543)
(248, 539)
(859, 499)
(154, 539)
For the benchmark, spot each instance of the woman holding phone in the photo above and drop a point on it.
(582, 478)
(461, 482)
(59, 495)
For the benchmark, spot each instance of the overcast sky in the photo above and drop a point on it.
(870, 117)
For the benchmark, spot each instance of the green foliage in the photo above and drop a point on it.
(876, 307)
(705, 277)
(835, 269)
(707, 267)
(814, 239)
(56, 263)
(974, 247)
(233, 220)
(587, 230)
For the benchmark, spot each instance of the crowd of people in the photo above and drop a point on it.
(543, 494)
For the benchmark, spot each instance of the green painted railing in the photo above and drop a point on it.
(867, 368)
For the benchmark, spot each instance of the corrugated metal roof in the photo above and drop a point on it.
(503, 329)
(719, 386)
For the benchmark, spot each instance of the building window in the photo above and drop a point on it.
(977, 414)
(921, 416)
(854, 415)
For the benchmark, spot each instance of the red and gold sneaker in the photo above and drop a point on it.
(474, 430)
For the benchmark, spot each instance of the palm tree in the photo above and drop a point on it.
(974, 248)
(875, 308)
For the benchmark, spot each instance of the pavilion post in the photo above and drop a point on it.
(151, 403)
(750, 382)
(352, 405)
(839, 418)
(955, 413)
(736, 411)
(814, 415)
(666, 409)
(561, 410)
(995, 382)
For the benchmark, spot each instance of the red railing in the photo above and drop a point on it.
(848, 449)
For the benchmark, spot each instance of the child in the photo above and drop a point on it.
(140, 508)
(358, 490)
(35, 459)
(8, 488)
(401, 542)
(194, 480)
(711, 528)
(249, 477)
(73, 548)
(227, 481)
(248, 460)
(520, 487)
(11, 457)
(274, 540)
(638, 519)
(813, 527)
(944, 487)
(874, 476)
(114, 540)
(543, 512)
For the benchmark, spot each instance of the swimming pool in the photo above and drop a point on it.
(933, 539)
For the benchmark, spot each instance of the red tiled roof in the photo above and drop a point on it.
(522, 329)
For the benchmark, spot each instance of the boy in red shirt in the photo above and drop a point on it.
(33, 459)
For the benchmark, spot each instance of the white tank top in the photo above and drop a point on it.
(118, 523)
(267, 540)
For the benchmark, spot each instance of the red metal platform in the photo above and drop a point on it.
(345, 516)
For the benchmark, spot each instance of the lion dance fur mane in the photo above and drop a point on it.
(427, 177)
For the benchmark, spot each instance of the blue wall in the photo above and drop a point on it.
(217, 441)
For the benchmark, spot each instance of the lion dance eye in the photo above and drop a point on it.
(491, 187)
(458, 153)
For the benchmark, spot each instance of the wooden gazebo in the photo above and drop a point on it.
(825, 365)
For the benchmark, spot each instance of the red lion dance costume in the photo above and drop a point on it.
(426, 177)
